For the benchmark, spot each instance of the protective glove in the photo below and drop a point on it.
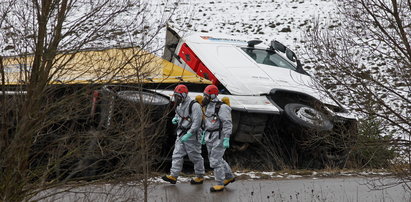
(186, 136)
(226, 142)
(203, 138)
(175, 120)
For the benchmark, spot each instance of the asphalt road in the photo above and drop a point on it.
(298, 189)
(312, 189)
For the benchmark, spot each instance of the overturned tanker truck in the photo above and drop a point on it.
(277, 107)
(272, 97)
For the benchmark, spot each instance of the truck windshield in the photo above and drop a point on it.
(268, 57)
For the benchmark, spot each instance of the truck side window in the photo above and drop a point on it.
(268, 57)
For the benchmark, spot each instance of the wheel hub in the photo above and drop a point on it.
(310, 115)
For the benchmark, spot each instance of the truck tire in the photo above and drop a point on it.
(307, 117)
(118, 103)
(145, 97)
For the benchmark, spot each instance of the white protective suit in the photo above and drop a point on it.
(214, 136)
(192, 147)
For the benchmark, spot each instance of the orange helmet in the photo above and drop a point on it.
(211, 90)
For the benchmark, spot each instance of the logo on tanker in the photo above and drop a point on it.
(222, 39)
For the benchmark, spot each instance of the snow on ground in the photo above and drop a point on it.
(291, 174)
(283, 20)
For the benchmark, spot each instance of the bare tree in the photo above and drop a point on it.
(48, 135)
(365, 59)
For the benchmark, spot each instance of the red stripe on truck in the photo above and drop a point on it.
(192, 60)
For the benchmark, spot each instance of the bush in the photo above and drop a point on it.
(374, 148)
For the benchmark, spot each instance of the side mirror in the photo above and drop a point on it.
(252, 43)
(290, 55)
(276, 45)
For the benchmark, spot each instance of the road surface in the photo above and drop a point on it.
(298, 189)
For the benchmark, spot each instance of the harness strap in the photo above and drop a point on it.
(215, 130)
(183, 131)
(190, 110)
(215, 114)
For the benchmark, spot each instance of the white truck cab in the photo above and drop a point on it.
(262, 81)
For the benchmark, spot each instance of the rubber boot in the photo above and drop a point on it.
(217, 188)
(197, 180)
(170, 179)
(228, 181)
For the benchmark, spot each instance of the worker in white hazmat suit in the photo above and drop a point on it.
(188, 120)
(217, 128)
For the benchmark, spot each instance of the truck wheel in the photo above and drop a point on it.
(154, 103)
(118, 103)
(144, 97)
(307, 117)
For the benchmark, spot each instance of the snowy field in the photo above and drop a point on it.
(283, 20)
